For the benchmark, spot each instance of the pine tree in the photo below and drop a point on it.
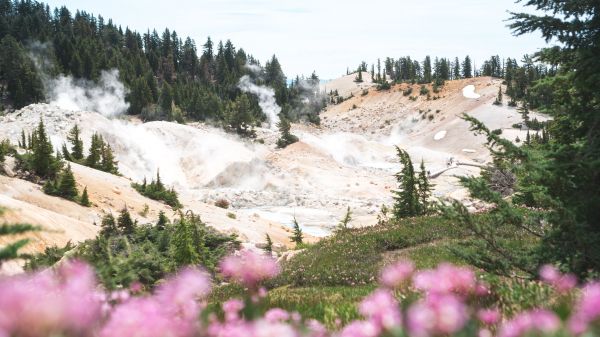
(286, 137)
(297, 236)
(124, 223)
(67, 188)
(498, 100)
(95, 156)
(424, 190)
(44, 164)
(359, 77)
(406, 197)
(183, 250)
(467, 67)
(427, 69)
(343, 224)
(23, 142)
(109, 226)
(268, 244)
(107, 162)
(162, 222)
(74, 138)
(85, 199)
(65, 153)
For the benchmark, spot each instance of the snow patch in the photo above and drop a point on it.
(469, 92)
(440, 135)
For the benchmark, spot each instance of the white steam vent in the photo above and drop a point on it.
(107, 97)
(266, 99)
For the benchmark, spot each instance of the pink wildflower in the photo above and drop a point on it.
(561, 282)
(488, 316)
(277, 315)
(396, 275)
(180, 293)
(587, 310)
(249, 268)
(446, 278)
(50, 303)
(382, 309)
(542, 321)
(435, 315)
(144, 317)
(361, 329)
(232, 309)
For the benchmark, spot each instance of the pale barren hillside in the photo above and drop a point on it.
(347, 161)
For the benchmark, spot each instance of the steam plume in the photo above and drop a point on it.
(266, 99)
(107, 97)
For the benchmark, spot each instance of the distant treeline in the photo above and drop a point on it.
(168, 77)
(518, 76)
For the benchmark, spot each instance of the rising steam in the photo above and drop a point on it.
(266, 99)
(106, 97)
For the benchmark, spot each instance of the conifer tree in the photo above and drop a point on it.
(183, 250)
(85, 199)
(67, 188)
(406, 197)
(268, 244)
(65, 153)
(359, 78)
(109, 226)
(74, 138)
(498, 100)
(95, 156)
(424, 190)
(44, 164)
(124, 223)
(162, 222)
(286, 137)
(343, 224)
(467, 67)
(297, 236)
(427, 69)
(23, 142)
(107, 162)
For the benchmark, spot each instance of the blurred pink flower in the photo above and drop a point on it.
(488, 316)
(360, 329)
(538, 320)
(446, 278)
(232, 309)
(382, 309)
(397, 274)
(144, 317)
(561, 282)
(50, 302)
(277, 315)
(180, 293)
(249, 268)
(436, 314)
(587, 310)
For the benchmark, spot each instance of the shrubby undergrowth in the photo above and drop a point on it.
(445, 301)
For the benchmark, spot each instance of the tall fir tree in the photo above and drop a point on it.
(74, 137)
(297, 235)
(44, 164)
(125, 223)
(67, 188)
(406, 196)
(268, 244)
(183, 250)
(424, 189)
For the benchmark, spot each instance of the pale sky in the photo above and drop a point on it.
(327, 36)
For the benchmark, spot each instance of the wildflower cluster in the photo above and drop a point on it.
(437, 302)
